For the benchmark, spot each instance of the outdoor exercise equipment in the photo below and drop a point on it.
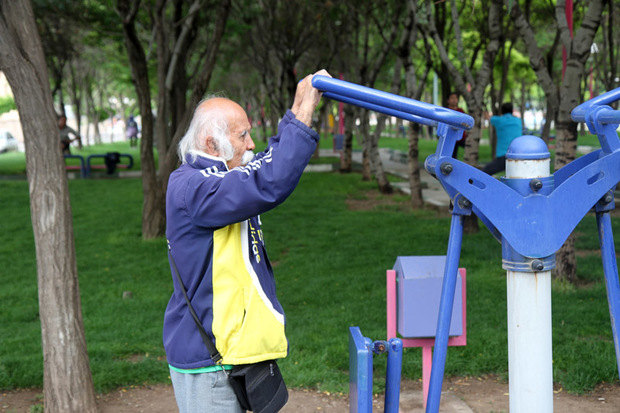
(111, 161)
(530, 211)
(361, 351)
(81, 167)
(413, 307)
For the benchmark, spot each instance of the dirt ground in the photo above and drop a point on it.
(482, 395)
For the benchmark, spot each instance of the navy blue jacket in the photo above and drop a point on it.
(216, 241)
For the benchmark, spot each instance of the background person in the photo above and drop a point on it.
(132, 131)
(213, 204)
(453, 103)
(65, 138)
(507, 128)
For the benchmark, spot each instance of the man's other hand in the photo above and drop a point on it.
(307, 98)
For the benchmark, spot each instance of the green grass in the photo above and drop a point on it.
(330, 262)
(123, 335)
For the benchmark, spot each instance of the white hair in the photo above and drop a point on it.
(206, 122)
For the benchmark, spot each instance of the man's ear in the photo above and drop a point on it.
(211, 146)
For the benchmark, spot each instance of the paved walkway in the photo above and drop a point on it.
(395, 163)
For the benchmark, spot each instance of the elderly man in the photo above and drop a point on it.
(213, 228)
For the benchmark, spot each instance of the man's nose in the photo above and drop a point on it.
(250, 143)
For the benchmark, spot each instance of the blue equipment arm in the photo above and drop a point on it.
(390, 104)
(579, 113)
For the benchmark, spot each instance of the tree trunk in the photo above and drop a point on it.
(168, 160)
(376, 166)
(538, 62)
(364, 132)
(413, 90)
(415, 182)
(67, 379)
(475, 97)
(578, 51)
(479, 82)
(346, 163)
(153, 206)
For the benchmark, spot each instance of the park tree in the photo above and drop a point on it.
(605, 64)
(382, 19)
(68, 383)
(80, 40)
(567, 94)
(405, 50)
(470, 78)
(277, 36)
(188, 36)
(373, 30)
(282, 44)
(57, 27)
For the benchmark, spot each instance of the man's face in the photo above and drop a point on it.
(453, 101)
(239, 136)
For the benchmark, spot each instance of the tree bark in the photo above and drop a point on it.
(346, 163)
(376, 165)
(67, 379)
(415, 182)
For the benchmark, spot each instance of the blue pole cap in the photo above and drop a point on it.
(528, 147)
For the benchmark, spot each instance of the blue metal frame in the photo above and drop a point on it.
(548, 209)
(129, 164)
(83, 168)
(360, 372)
(392, 375)
(361, 350)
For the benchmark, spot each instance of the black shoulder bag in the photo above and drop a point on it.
(259, 387)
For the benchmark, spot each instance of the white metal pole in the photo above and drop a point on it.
(529, 322)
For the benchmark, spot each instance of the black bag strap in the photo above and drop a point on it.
(215, 355)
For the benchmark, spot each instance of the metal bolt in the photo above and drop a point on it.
(536, 185)
(464, 203)
(537, 265)
(446, 168)
(607, 198)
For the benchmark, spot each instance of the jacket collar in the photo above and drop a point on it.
(201, 160)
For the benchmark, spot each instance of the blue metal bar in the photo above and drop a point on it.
(360, 372)
(610, 267)
(445, 314)
(83, 169)
(392, 377)
(380, 109)
(364, 96)
(579, 113)
(608, 115)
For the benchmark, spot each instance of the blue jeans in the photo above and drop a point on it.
(204, 393)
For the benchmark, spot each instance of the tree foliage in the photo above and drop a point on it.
(255, 52)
